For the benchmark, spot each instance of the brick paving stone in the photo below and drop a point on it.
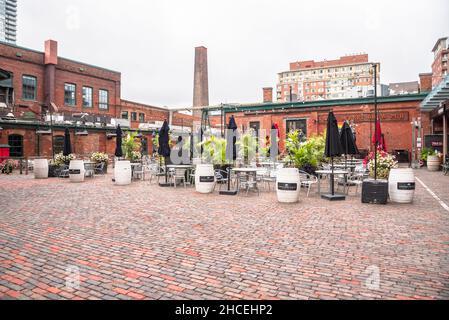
(177, 244)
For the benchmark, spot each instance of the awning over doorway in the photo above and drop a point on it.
(438, 95)
(5, 79)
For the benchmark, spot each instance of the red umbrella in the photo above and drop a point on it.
(276, 126)
(384, 145)
(378, 141)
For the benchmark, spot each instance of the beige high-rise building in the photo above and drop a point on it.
(348, 77)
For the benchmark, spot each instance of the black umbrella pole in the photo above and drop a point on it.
(332, 178)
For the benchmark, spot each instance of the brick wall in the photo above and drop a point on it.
(152, 113)
(396, 118)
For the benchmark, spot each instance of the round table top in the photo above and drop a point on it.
(245, 169)
(330, 172)
(180, 166)
(344, 166)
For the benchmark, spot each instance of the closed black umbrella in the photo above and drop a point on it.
(67, 145)
(118, 141)
(231, 148)
(333, 149)
(347, 140)
(164, 148)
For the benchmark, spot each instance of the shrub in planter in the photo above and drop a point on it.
(308, 155)
(248, 146)
(131, 147)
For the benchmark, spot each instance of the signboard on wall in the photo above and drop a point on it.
(369, 117)
(435, 141)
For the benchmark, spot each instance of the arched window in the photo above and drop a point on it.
(58, 144)
(15, 142)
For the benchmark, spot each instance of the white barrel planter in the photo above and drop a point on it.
(288, 185)
(122, 173)
(204, 178)
(77, 171)
(433, 163)
(401, 185)
(41, 169)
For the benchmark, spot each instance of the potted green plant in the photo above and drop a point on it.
(131, 148)
(214, 152)
(308, 155)
(248, 146)
(424, 154)
(100, 157)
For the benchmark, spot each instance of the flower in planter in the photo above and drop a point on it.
(8, 165)
(385, 162)
(60, 159)
(99, 157)
(136, 156)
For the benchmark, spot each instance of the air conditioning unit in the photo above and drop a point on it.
(43, 131)
(111, 135)
(82, 133)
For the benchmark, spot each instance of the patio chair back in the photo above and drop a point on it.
(179, 172)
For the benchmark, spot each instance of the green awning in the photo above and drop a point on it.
(438, 95)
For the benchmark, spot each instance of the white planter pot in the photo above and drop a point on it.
(288, 185)
(41, 169)
(76, 171)
(204, 178)
(122, 173)
(433, 163)
(401, 185)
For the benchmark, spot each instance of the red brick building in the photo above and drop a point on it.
(80, 96)
(396, 114)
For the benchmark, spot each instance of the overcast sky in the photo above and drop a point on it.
(152, 42)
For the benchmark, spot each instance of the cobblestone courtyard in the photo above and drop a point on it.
(97, 241)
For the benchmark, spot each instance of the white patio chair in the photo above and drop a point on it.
(307, 180)
(178, 175)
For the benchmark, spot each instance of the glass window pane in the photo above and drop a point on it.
(15, 142)
(103, 99)
(87, 97)
(29, 86)
(70, 94)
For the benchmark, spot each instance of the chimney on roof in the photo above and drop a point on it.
(267, 95)
(425, 82)
(50, 61)
(51, 52)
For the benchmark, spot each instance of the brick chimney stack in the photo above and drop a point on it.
(267, 95)
(201, 85)
(425, 82)
(50, 61)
